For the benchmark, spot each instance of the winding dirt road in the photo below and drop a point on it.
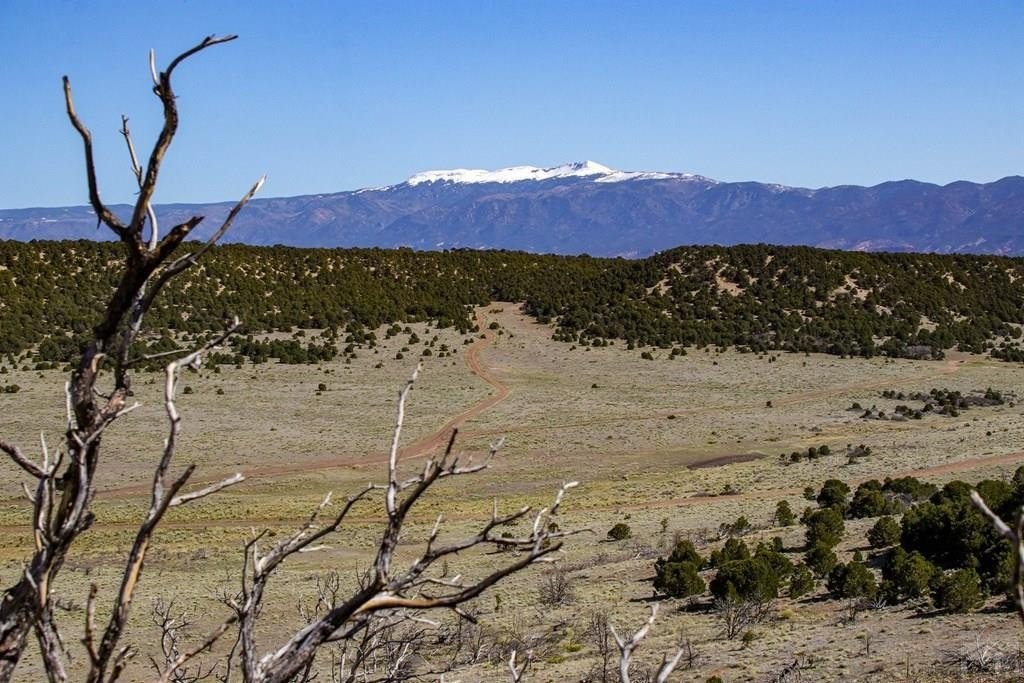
(423, 446)
(431, 442)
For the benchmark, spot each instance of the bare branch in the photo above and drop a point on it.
(154, 229)
(629, 645)
(179, 232)
(167, 97)
(102, 212)
(61, 501)
(206, 491)
(517, 673)
(51, 647)
(176, 664)
(1016, 539)
(21, 461)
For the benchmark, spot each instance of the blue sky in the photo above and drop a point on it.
(327, 96)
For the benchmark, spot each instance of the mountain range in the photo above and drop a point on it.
(585, 207)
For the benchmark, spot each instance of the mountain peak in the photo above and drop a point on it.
(591, 170)
(512, 174)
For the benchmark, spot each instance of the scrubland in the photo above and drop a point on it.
(635, 432)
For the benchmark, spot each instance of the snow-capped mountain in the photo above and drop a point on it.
(590, 170)
(513, 174)
(586, 207)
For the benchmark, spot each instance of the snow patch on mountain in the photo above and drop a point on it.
(623, 176)
(513, 174)
(591, 170)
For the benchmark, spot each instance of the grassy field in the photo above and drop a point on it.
(634, 431)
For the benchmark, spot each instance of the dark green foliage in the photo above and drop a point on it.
(825, 527)
(620, 532)
(288, 351)
(869, 500)
(911, 487)
(952, 534)
(907, 575)
(833, 495)
(677, 576)
(958, 591)
(852, 580)
(678, 579)
(791, 298)
(685, 552)
(801, 581)
(752, 580)
(740, 527)
(733, 550)
(1017, 482)
(821, 559)
(885, 532)
(780, 565)
(784, 514)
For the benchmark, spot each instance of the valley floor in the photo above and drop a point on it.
(694, 441)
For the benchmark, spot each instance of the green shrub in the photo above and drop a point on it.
(746, 580)
(733, 550)
(784, 514)
(685, 552)
(833, 495)
(801, 581)
(870, 501)
(907, 575)
(852, 580)
(821, 559)
(825, 527)
(885, 532)
(678, 579)
(958, 591)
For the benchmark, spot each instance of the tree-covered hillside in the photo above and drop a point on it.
(761, 297)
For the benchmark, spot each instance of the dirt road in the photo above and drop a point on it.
(423, 446)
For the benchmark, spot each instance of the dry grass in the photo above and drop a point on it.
(630, 439)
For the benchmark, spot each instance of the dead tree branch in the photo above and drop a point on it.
(385, 589)
(1016, 539)
(65, 484)
(629, 645)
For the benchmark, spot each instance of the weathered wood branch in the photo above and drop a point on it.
(165, 92)
(627, 646)
(62, 497)
(1016, 539)
(383, 590)
(102, 212)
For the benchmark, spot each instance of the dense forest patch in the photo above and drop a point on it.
(753, 297)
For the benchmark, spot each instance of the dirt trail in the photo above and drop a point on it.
(438, 438)
(423, 446)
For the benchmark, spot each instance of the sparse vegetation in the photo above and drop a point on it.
(620, 532)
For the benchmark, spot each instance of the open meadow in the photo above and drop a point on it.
(673, 447)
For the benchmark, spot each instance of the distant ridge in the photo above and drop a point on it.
(586, 207)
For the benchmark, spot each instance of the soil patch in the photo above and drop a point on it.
(721, 460)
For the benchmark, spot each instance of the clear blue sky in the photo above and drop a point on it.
(327, 96)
